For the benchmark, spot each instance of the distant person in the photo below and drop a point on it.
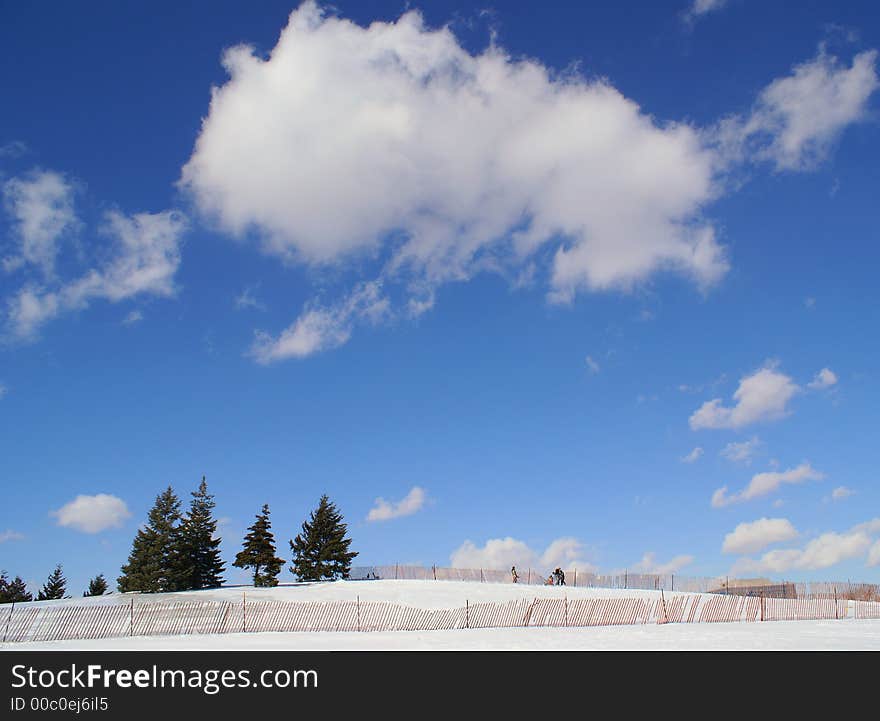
(513, 574)
(560, 577)
(549, 581)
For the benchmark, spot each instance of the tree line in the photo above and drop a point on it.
(177, 551)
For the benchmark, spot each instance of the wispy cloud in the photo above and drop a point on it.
(10, 535)
(592, 365)
(765, 483)
(742, 452)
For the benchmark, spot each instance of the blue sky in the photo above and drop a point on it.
(543, 279)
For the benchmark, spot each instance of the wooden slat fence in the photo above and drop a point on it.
(35, 622)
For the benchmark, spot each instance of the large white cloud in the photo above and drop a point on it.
(143, 259)
(824, 551)
(93, 514)
(392, 138)
(765, 483)
(42, 208)
(757, 535)
(502, 553)
(650, 564)
(394, 145)
(411, 503)
(761, 396)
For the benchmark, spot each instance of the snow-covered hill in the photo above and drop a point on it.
(846, 633)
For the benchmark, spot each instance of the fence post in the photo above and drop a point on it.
(566, 611)
(131, 618)
(434, 571)
(467, 614)
(8, 619)
(244, 611)
(762, 605)
(575, 577)
(359, 612)
(530, 577)
(673, 582)
(836, 616)
(625, 578)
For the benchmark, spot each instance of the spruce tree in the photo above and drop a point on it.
(13, 591)
(258, 551)
(150, 567)
(18, 592)
(54, 587)
(97, 586)
(321, 552)
(198, 563)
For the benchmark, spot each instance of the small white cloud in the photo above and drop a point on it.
(765, 483)
(809, 303)
(841, 492)
(760, 397)
(92, 514)
(413, 502)
(10, 535)
(133, 317)
(693, 456)
(3, 390)
(741, 452)
(592, 365)
(502, 553)
(649, 564)
(699, 8)
(825, 378)
(757, 535)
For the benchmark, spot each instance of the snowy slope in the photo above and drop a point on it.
(833, 634)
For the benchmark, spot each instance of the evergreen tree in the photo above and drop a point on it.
(13, 591)
(150, 566)
(321, 552)
(258, 551)
(54, 587)
(198, 563)
(18, 592)
(97, 586)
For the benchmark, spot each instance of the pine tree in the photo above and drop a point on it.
(150, 567)
(258, 551)
(13, 591)
(18, 592)
(198, 550)
(97, 586)
(321, 552)
(54, 587)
